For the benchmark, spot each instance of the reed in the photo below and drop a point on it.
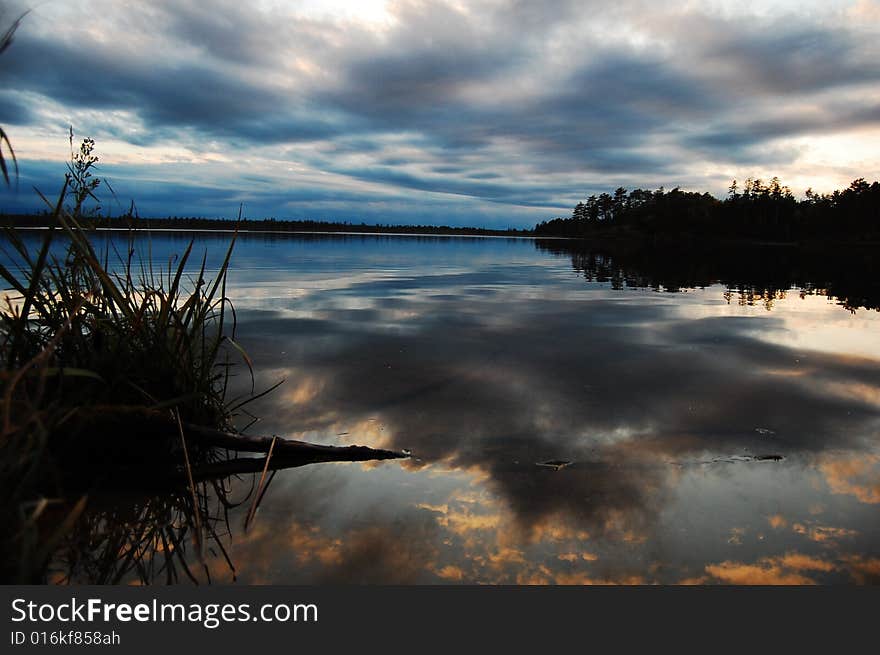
(100, 352)
(6, 38)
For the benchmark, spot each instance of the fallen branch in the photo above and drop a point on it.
(245, 465)
(149, 423)
(285, 454)
(287, 448)
(129, 460)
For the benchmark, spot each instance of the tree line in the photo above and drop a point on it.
(755, 210)
(131, 221)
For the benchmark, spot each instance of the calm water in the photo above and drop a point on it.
(719, 434)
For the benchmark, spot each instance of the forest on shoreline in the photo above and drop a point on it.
(254, 225)
(755, 211)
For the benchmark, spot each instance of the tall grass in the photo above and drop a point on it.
(6, 38)
(102, 355)
(131, 337)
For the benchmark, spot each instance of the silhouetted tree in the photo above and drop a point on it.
(759, 211)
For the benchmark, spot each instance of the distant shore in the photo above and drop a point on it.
(256, 226)
(597, 236)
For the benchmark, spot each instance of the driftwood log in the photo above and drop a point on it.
(287, 453)
(145, 429)
(286, 447)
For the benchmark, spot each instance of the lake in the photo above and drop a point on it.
(575, 415)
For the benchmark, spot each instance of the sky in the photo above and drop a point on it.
(496, 113)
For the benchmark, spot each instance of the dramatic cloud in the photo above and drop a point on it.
(496, 112)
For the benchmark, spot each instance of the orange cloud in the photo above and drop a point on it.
(856, 476)
(506, 556)
(755, 574)
(691, 582)
(554, 529)
(822, 533)
(864, 570)
(785, 570)
(777, 521)
(586, 579)
(461, 522)
(798, 562)
(450, 573)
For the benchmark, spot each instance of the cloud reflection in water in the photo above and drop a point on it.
(657, 399)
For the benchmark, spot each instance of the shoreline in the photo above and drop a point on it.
(208, 230)
(598, 240)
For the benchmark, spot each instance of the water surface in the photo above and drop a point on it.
(715, 426)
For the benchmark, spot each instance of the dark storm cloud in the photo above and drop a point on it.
(601, 92)
(478, 187)
(14, 111)
(645, 88)
(163, 95)
(794, 59)
(411, 88)
(229, 31)
(596, 118)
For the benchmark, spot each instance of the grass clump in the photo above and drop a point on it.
(102, 358)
